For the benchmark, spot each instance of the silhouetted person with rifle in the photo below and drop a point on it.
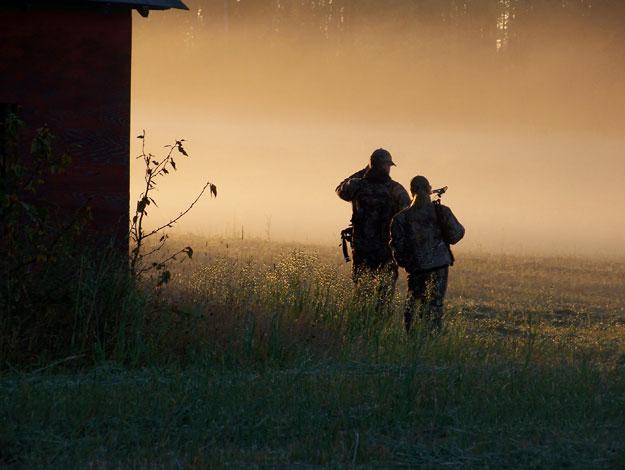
(375, 199)
(420, 239)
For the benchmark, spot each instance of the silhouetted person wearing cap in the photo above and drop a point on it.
(375, 199)
(420, 239)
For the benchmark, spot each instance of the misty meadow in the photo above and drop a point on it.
(174, 291)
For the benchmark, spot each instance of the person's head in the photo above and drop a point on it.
(420, 187)
(381, 160)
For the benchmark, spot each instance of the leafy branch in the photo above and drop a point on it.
(155, 169)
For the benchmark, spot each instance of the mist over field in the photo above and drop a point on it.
(519, 107)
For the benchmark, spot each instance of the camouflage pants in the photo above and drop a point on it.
(375, 277)
(428, 289)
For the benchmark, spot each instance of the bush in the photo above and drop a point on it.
(56, 300)
(66, 294)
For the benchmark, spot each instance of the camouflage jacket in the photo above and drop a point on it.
(421, 235)
(375, 200)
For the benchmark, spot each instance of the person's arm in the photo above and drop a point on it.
(348, 188)
(452, 229)
(398, 240)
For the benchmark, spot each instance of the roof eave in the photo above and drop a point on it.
(146, 5)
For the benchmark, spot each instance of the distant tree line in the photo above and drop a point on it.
(495, 24)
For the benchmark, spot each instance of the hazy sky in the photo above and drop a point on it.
(529, 138)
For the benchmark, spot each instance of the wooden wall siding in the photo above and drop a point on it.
(70, 69)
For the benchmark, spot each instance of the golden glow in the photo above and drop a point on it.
(530, 139)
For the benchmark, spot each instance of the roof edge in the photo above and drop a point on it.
(147, 4)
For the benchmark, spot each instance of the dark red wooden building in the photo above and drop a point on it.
(66, 64)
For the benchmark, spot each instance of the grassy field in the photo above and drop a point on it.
(258, 354)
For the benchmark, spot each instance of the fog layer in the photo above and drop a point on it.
(520, 112)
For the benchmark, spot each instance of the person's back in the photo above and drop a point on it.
(422, 234)
(375, 199)
(420, 239)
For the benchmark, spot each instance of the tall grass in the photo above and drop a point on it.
(78, 310)
(261, 354)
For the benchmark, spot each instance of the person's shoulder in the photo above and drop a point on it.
(396, 185)
(444, 209)
(398, 190)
